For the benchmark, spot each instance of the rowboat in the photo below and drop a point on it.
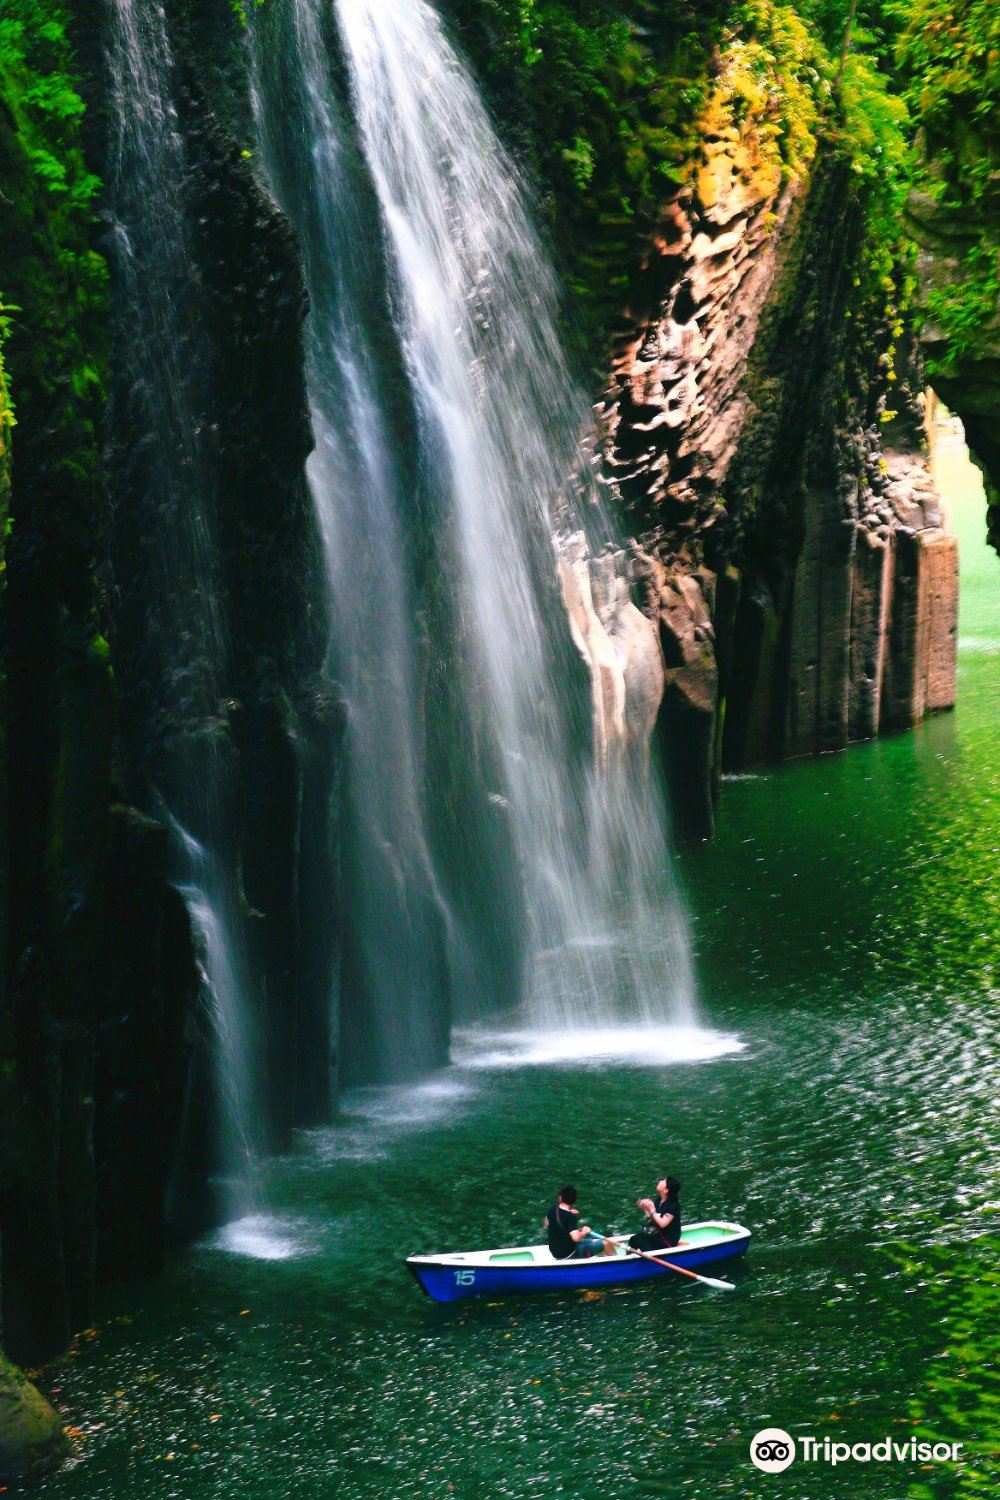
(520, 1269)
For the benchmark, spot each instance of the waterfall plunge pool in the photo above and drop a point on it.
(845, 925)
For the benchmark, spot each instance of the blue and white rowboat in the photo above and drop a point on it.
(520, 1269)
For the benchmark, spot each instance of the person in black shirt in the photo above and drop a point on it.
(663, 1218)
(568, 1238)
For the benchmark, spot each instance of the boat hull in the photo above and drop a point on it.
(445, 1280)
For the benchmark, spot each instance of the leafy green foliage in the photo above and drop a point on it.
(949, 52)
(7, 312)
(7, 421)
(606, 101)
(875, 122)
(53, 331)
(949, 55)
(966, 306)
(51, 348)
(241, 9)
(601, 98)
(781, 76)
(38, 90)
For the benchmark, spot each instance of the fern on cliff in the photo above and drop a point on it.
(47, 263)
(7, 421)
(39, 92)
(949, 51)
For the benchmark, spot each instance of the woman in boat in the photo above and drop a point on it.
(568, 1238)
(663, 1218)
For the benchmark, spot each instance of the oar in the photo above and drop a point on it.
(720, 1286)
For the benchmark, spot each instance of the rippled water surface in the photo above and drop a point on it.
(839, 1101)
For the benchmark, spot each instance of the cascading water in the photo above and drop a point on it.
(163, 517)
(470, 420)
(395, 1009)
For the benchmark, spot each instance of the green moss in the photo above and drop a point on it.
(964, 307)
(54, 285)
(32, 1438)
(782, 78)
(949, 52)
(7, 422)
(241, 9)
(57, 714)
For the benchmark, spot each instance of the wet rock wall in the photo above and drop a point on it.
(789, 541)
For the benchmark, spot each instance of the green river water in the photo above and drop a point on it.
(845, 922)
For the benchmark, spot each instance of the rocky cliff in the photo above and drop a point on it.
(723, 187)
(950, 63)
(789, 540)
(94, 938)
(32, 1438)
(107, 1096)
(967, 374)
(257, 723)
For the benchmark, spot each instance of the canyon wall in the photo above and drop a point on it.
(108, 1097)
(266, 718)
(722, 188)
(96, 947)
(789, 541)
(785, 581)
(955, 251)
(948, 63)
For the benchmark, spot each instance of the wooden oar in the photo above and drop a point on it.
(720, 1286)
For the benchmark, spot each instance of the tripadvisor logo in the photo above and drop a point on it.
(773, 1450)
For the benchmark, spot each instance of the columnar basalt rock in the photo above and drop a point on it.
(779, 540)
(86, 1108)
(676, 403)
(283, 719)
(682, 601)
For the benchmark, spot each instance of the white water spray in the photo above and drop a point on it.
(474, 302)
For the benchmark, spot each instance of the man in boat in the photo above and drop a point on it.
(568, 1238)
(663, 1218)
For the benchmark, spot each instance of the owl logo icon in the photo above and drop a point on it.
(772, 1450)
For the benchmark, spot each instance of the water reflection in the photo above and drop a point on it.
(844, 919)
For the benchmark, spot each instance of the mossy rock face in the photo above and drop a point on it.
(32, 1438)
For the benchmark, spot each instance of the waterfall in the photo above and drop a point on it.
(500, 846)
(442, 404)
(395, 1008)
(163, 552)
